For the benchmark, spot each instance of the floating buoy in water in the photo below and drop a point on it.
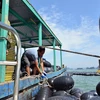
(62, 98)
(86, 96)
(63, 83)
(95, 98)
(51, 81)
(46, 63)
(44, 94)
(94, 92)
(60, 93)
(76, 92)
(98, 88)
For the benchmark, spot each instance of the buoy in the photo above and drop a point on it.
(94, 92)
(51, 81)
(98, 88)
(63, 83)
(86, 96)
(46, 63)
(60, 93)
(95, 98)
(44, 93)
(76, 92)
(62, 98)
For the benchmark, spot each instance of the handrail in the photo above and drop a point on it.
(16, 82)
(13, 63)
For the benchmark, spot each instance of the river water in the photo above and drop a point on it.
(86, 83)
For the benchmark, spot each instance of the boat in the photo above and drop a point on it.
(26, 29)
(21, 26)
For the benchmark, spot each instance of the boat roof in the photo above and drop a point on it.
(25, 19)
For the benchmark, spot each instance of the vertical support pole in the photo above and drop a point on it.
(40, 41)
(3, 33)
(99, 65)
(98, 71)
(54, 53)
(61, 56)
(40, 34)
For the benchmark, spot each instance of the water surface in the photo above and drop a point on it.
(86, 83)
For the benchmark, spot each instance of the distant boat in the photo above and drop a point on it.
(79, 68)
(90, 68)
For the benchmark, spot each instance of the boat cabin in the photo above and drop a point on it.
(23, 27)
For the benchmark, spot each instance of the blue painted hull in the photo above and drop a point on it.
(28, 86)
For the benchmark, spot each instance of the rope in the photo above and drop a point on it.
(85, 54)
(45, 82)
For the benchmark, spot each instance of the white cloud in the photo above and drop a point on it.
(79, 38)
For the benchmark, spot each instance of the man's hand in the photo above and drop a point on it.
(44, 73)
(43, 76)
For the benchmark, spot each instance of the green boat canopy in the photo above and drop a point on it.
(25, 19)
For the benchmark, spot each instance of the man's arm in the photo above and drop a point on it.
(36, 63)
(41, 63)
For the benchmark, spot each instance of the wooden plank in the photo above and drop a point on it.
(24, 83)
(7, 79)
(10, 72)
(9, 76)
(10, 56)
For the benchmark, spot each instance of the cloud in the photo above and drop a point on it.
(83, 37)
(73, 38)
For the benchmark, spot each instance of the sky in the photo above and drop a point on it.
(76, 24)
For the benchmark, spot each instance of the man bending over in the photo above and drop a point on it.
(29, 60)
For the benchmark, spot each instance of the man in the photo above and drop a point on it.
(29, 60)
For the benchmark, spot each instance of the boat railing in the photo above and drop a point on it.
(17, 62)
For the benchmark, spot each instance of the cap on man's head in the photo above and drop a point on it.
(41, 49)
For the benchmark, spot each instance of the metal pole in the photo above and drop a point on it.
(54, 53)
(40, 34)
(16, 82)
(40, 41)
(61, 56)
(99, 65)
(80, 53)
(3, 33)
